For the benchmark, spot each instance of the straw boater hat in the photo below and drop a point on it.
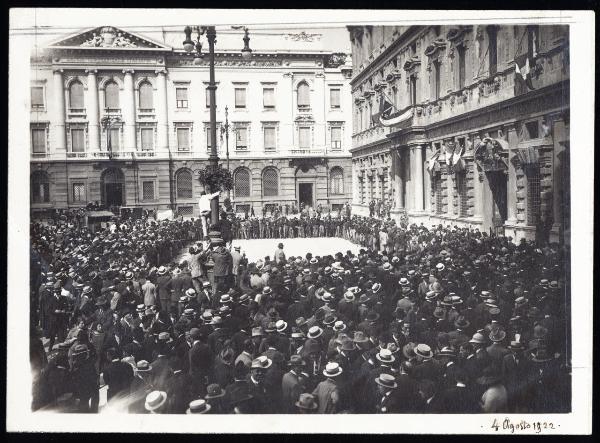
(315, 332)
(155, 400)
(386, 380)
(162, 270)
(385, 356)
(261, 362)
(281, 325)
(199, 406)
(306, 401)
(423, 350)
(332, 369)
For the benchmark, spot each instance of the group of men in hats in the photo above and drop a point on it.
(447, 320)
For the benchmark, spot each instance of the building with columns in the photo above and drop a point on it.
(123, 119)
(469, 141)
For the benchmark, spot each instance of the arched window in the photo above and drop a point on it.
(111, 96)
(184, 184)
(270, 183)
(146, 96)
(303, 95)
(76, 95)
(242, 183)
(40, 187)
(336, 177)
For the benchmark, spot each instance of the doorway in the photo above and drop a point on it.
(113, 187)
(305, 194)
(498, 186)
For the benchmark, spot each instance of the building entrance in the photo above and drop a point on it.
(113, 188)
(305, 194)
(498, 184)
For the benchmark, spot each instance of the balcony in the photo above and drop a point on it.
(336, 145)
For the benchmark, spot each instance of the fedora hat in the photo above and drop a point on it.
(225, 298)
(372, 316)
(261, 362)
(349, 296)
(359, 337)
(155, 400)
(199, 406)
(376, 288)
(439, 312)
(267, 290)
(329, 320)
(485, 294)
(296, 360)
(387, 266)
(189, 312)
(162, 270)
(447, 351)
(327, 270)
(440, 267)
(386, 380)
(516, 346)
(257, 331)
(447, 301)
(332, 369)
(363, 299)
(385, 356)
(190, 292)
(520, 301)
(216, 320)
(478, 338)
(214, 391)
(404, 281)
(270, 327)
(140, 308)
(206, 284)
(315, 332)
(327, 297)
(423, 350)
(348, 345)
(164, 337)
(301, 321)
(430, 296)
(306, 401)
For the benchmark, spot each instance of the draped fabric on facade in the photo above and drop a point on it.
(490, 154)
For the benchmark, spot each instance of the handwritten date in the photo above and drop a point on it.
(523, 425)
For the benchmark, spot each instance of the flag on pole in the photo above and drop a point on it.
(523, 70)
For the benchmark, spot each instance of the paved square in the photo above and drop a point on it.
(258, 249)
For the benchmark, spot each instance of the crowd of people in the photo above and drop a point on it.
(421, 320)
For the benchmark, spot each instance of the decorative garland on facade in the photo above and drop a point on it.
(216, 180)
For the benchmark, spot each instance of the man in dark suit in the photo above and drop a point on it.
(459, 399)
(117, 375)
(200, 362)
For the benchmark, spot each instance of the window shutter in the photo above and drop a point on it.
(76, 95)
(37, 97)
(147, 136)
(269, 97)
(270, 183)
(336, 137)
(335, 98)
(114, 139)
(269, 138)
(146, 96)
(303, 95)
(304, 138)
(240, 97)
(183, 139)
(184, 184)
(112, 96)
(77, 140)
(38, 140)
(242, 183)
(181, 93)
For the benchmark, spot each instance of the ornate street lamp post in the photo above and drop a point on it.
(189, 46)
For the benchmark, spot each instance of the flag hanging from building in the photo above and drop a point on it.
(523, 69)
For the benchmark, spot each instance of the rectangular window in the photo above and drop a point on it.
(37, 97)
(334, 98)
(77, 140)
(269, 98)
(185, 211)
(304, 137)
(241, 138)
(147, 138)
(439, 197)
(183, 139)
(413, 90)
(461, 184)
(533, 196)
(148, 190)
(240, 98)
(181, 95)
(115, 139)
(336, 138)
(531, 130)
(79, 193)
(269, 142)
(436, 79)
(461, 67)
(38, 141)
(493, 49)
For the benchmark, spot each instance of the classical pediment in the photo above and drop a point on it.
(107, 37)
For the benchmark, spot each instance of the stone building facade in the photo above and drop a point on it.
(288, 113)
(476, 146)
